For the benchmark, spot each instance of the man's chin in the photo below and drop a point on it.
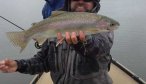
(83, 10)
(80, 10)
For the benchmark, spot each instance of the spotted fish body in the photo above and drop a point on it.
(61, 21)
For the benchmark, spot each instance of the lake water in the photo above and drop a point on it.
(129, 44)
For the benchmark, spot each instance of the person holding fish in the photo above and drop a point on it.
(78, 58)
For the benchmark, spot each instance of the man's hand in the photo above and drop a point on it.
(71, 38)
(8, 66)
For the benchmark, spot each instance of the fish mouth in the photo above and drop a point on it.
(113, 28)
(118, 24)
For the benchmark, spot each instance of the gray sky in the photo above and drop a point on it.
(22, 12)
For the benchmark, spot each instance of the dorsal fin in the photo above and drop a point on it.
(56, 13)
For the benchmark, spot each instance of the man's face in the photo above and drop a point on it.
(82, 5)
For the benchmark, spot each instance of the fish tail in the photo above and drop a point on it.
(18, 39)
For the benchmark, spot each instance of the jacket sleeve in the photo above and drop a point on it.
(37, 64)
(96, 45)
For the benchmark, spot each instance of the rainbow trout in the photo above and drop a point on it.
(61, 21)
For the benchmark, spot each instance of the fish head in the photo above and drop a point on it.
(106, 24)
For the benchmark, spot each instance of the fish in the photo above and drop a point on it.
(63, 21)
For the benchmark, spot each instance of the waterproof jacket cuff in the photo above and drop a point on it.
(21, 66)
(18, 65)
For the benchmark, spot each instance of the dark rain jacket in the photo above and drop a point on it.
(83, 63)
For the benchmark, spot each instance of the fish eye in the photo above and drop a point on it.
(112, 24)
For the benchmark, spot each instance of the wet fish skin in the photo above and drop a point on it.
(61, 21)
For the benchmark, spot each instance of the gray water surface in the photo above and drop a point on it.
(129, 44)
